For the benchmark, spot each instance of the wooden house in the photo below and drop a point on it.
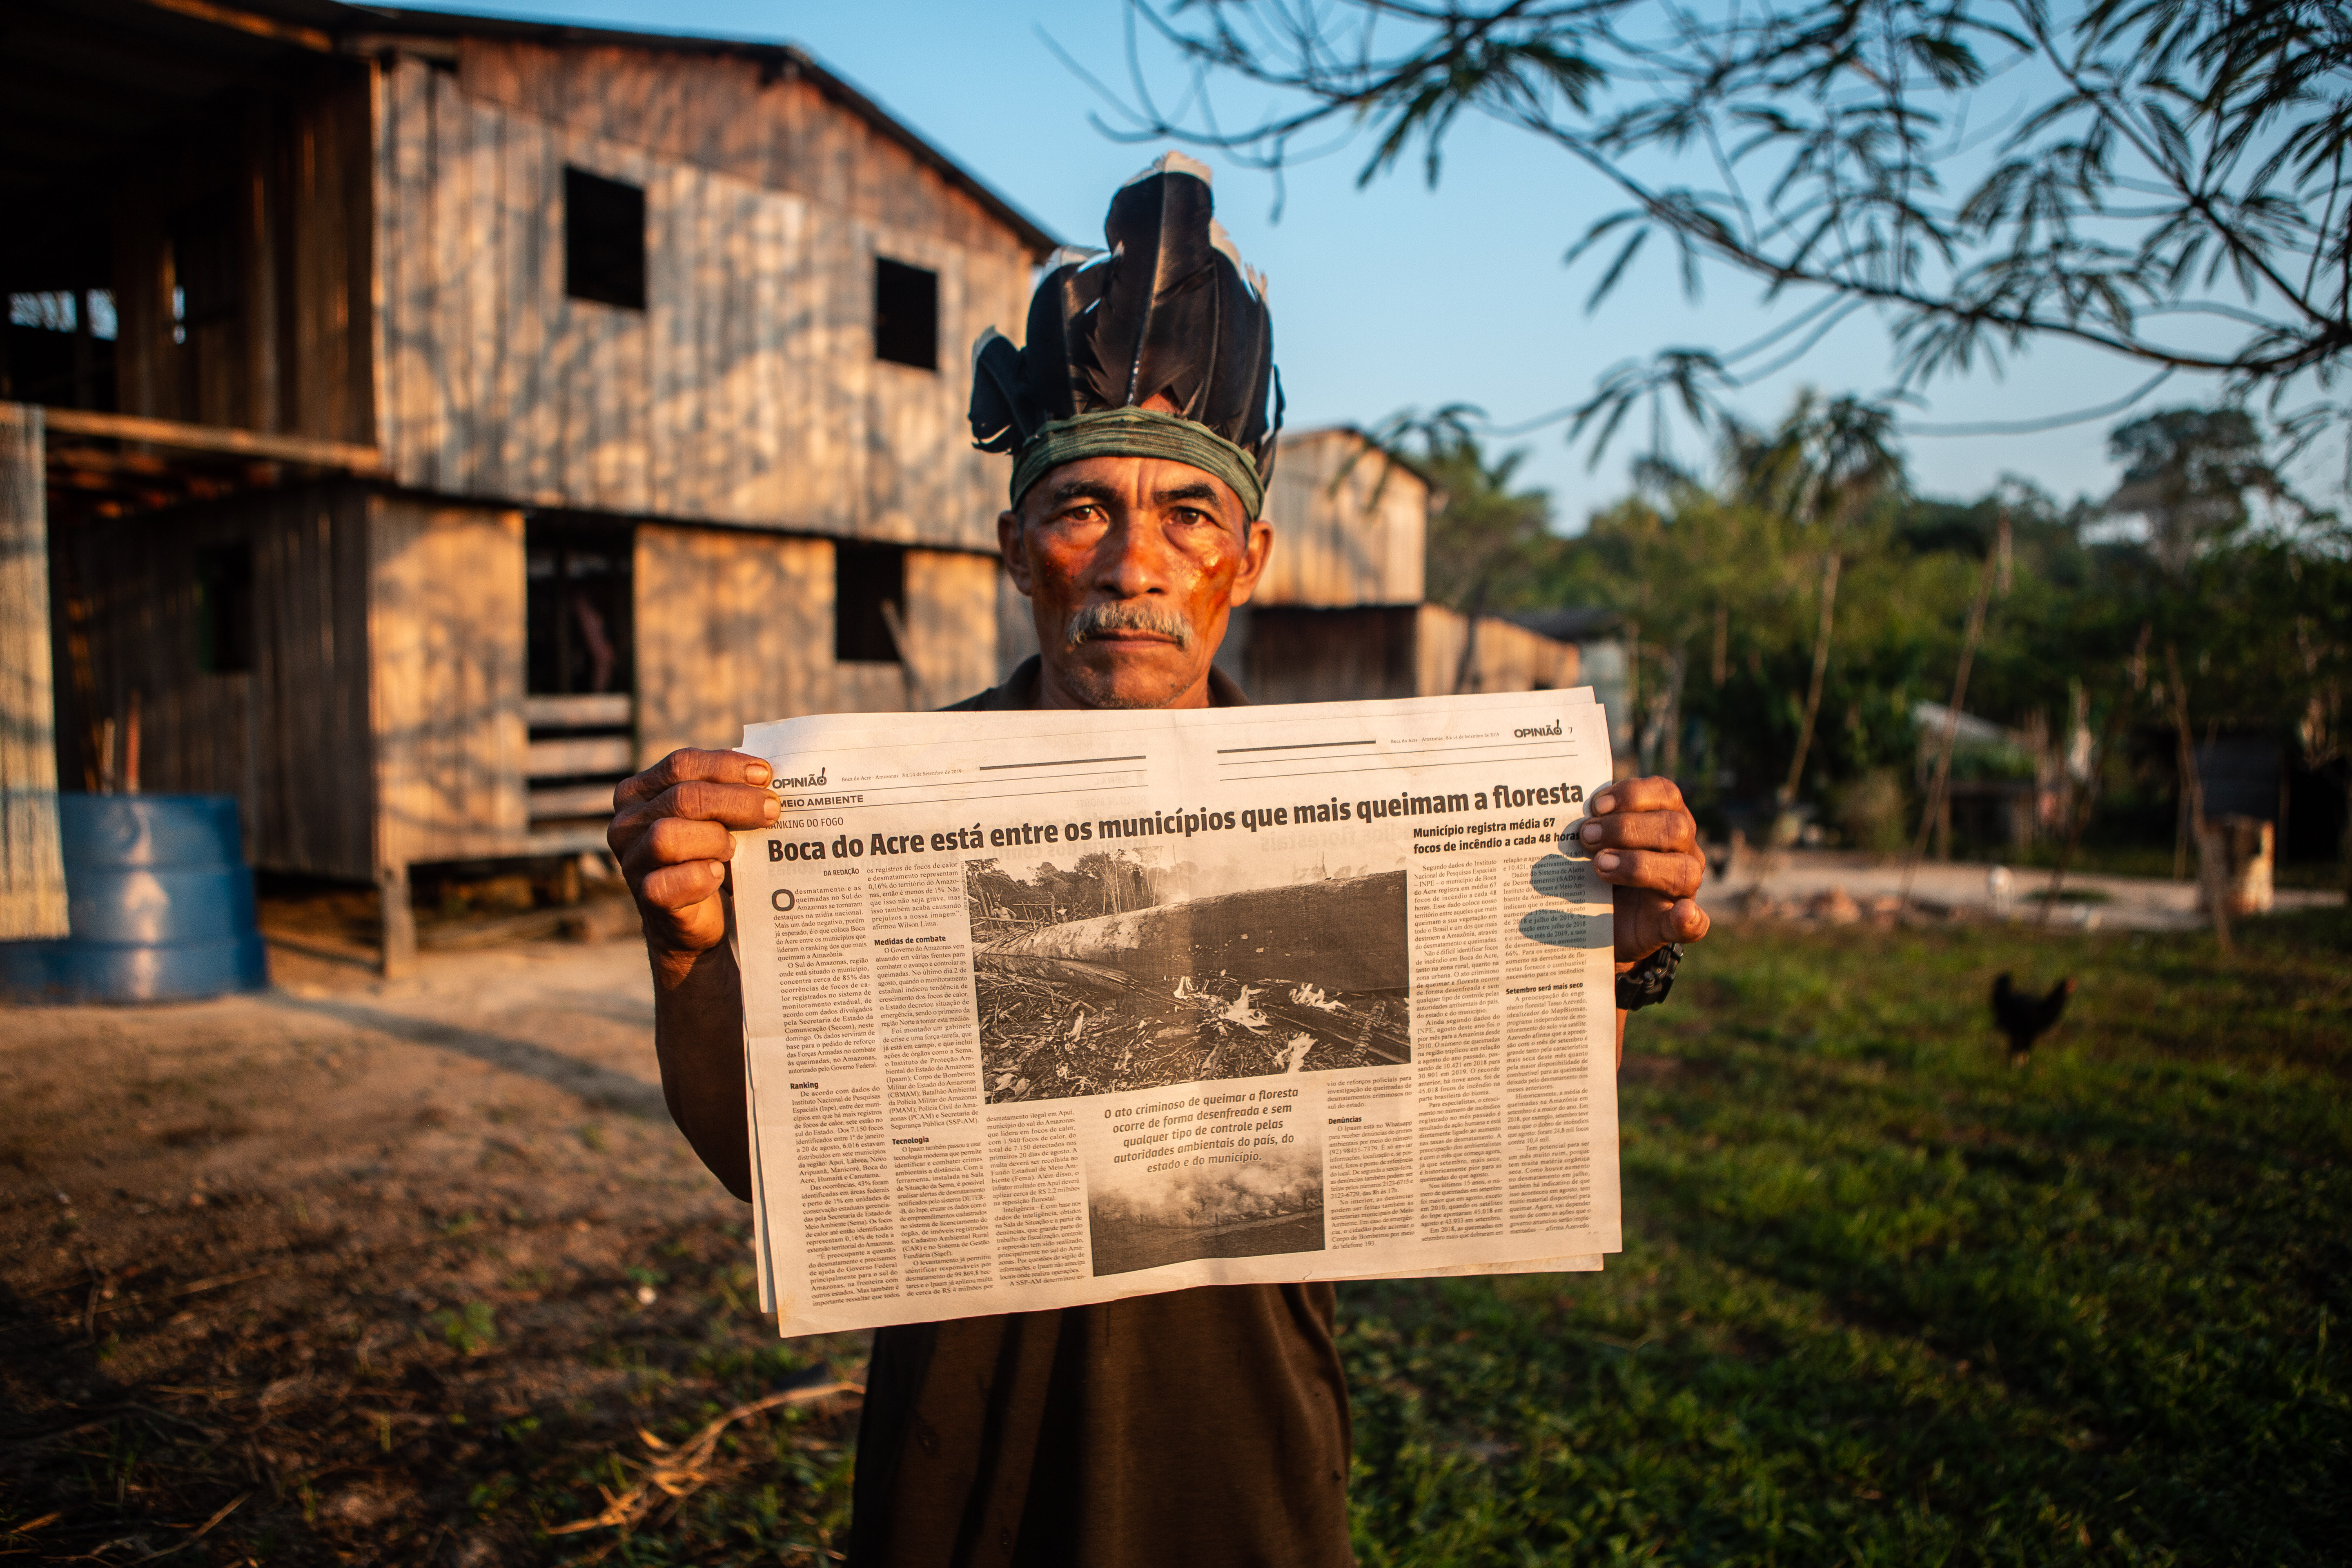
(432, 419)
(1339, 615)
(412, 424)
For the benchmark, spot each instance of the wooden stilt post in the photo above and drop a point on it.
(32, 866)
(397, 956)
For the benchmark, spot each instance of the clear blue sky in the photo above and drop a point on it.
(1394, 295)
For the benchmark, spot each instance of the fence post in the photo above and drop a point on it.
(397, 954)
(32, 865)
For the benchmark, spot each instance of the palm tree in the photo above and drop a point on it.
(1489, 544)
(1485, 533)
(1829, 464)
(2187, 472)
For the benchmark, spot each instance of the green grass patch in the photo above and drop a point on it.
(1885, 1299)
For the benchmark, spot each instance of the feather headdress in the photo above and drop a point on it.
(1169, 309)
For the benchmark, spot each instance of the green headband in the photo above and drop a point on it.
(1138, 433)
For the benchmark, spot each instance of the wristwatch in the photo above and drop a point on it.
(1647, 983)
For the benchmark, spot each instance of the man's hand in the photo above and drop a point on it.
(1644, 843)
(670, 833)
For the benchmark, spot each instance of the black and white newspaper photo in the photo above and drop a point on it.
(1072, 1006)
(1131, 971)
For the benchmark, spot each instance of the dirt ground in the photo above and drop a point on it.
(1808, 883)
(356, 1272)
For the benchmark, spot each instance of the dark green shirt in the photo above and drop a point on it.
(1191, 1429)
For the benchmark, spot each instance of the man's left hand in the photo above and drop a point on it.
(1644, 843)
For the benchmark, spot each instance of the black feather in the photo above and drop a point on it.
(1167, 311)
(1250, 424)
(1054, 319)
(1158, 229)
(1234, 383)
(1003, 412)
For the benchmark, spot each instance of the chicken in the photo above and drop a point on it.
(2025, 1017)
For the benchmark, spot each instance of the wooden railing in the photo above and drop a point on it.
(268, 445)
(559, 756)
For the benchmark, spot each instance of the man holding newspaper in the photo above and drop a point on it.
(1202, 1425)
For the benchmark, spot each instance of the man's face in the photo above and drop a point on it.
(1131, 566)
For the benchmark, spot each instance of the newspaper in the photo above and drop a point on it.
(1049, 1008)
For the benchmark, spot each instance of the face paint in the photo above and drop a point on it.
(1132, 567)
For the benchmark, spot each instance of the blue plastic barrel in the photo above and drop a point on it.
(160, 905)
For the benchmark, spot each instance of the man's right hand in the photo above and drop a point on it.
(670, 833)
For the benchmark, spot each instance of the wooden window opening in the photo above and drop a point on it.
(225, 609)
(870, 591)
(905, 314)
(578, 601)
(57, 348)
(603, 241)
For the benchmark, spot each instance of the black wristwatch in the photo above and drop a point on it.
(1647, 983)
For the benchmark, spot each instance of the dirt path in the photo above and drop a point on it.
(2125, 903)
(396, 1270)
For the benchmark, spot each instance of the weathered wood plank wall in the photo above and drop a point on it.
(32, 873)
(747, 392)
(950, 624)
(282, 182)
(1016, 624)
(328, 387)
(1507, 657)
(1297, 654)
(756, 643)
(1350, 526)
(736, 115)
(444, 630)
(289, 736)
(735, 626)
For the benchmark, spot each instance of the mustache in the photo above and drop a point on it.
(1129, 617)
